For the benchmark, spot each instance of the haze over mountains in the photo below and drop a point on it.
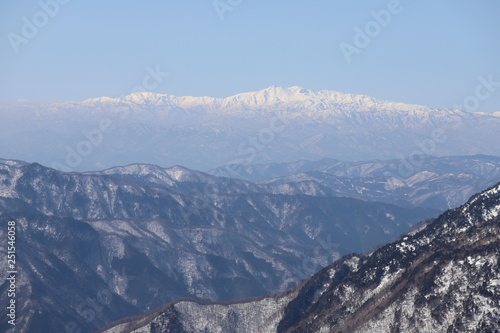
(282, 198)
(272, 125)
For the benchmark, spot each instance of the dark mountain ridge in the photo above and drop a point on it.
(444, 277)
(96, 247)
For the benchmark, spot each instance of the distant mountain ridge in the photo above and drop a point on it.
(272, 125)
(437, 182)
(478, 165)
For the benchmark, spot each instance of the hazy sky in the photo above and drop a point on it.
(427, 52)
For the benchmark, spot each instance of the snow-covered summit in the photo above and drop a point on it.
(273, 96)
(281, 124)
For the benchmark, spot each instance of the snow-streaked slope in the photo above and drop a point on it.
(139, 236)
(441, 278)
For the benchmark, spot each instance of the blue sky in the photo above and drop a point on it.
(430, 53)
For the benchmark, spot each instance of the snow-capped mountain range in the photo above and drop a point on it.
(272, 125)
(272, 97)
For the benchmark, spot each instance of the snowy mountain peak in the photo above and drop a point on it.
(297, 96)
(134, 169)
(144, 96)
(273, 96)
(283, 93)
(178, 172)
(182, 174)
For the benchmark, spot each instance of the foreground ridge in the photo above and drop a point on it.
(442, 278)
